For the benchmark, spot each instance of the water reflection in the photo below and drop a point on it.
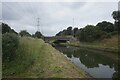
(97, 65)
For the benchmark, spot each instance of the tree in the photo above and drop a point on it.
(59, 34)
(33, 35)
(24, 33)
(6, 28)
(38, 34)
(9, 46)
(75, 31)
(116, 17)
(69, 31)
(13, 31)
(106, 26)
(64, 33)
(89, 33)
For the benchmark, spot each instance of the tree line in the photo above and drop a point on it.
(10, 41)
(91, 33)
(7, 29)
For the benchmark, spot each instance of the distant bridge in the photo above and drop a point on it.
(59, 39)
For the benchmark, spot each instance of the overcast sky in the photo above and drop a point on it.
(55, 16)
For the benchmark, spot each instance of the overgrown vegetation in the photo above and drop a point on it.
(40, 60)
(15, 53)
(25, 56)
(10, 41)
(22, 61)
(9, 46)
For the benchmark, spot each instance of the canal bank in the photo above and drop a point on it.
(106, 45)
(38, 59)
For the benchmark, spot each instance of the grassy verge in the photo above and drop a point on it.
(106, 45)
(37, 59)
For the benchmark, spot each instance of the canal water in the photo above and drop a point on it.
(93, 62)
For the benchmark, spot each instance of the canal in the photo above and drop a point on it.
(97, 64)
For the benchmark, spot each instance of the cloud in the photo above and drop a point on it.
(55, 16)
(59, 0)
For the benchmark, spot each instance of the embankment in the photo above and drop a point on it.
(37, 59)
(107, 45)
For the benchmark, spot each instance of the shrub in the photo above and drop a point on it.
(106, 35)
(9, 46)
(114, 32)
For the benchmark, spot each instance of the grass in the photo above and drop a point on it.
(37, 59)
(109, 42)
(107, 45)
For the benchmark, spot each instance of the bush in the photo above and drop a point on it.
(106, 35)
(9, 46)
(114, 32)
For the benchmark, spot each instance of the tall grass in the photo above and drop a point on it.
(26, 56)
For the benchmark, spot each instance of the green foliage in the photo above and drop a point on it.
(114, 32)
(106, 35)
(24, 33)
(9, 46)
(116, 26)
(38, 34)
(65, 32)
(12, 31)
(75, 32)
(6, 28)
(106, 26)
(59, 34)
(38, 59)
(25, 57)
(69, 31)
(116, 15)
(89, 33)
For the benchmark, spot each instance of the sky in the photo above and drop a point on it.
(55, 16)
